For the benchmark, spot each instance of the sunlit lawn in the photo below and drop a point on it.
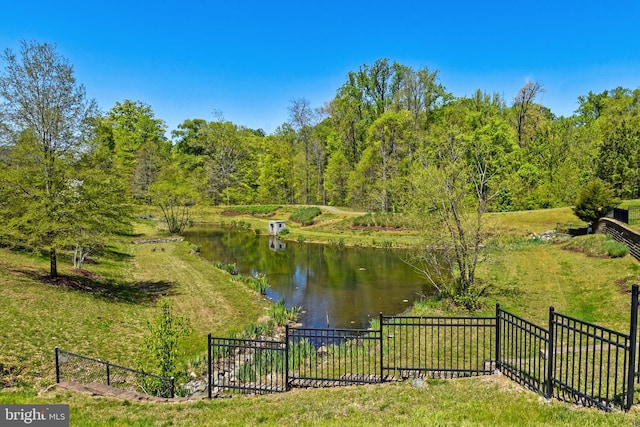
(109, 319)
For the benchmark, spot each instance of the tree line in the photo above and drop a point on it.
(365, 147)
(393, 139)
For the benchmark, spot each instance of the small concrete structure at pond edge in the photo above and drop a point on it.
(275, 227)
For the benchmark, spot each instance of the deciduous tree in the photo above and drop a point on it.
(45, 117)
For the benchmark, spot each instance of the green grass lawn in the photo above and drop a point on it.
(107, 319)
(480, 401)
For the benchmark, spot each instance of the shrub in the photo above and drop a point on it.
(594, 201)
(305, 216)
(615, 249)
(161, 345)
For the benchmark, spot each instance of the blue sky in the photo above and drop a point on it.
(249, 59)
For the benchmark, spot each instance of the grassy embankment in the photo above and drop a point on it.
(107, 317)
(107, 320)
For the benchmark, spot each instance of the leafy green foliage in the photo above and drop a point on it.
(229, 268)
(615, 249)
(281, 315)
(255, 330)
(258, 283)
(594, 201)
(174, 195)
(305, 216)
(162, 342)
(44, 115)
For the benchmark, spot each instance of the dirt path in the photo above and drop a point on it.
(103, 390)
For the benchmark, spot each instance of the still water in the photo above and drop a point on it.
(339, 287)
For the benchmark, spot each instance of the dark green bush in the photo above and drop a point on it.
(594, 201)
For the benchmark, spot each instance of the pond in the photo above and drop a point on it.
(339, 287)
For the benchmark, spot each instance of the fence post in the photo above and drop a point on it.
(551, 356)
(57, 367)
(286, 357)
(498, 341)
(381, 350)
(633, 336)
(108, 374)
(209, 362)
(173, 387)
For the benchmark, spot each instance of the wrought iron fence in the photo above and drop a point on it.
(522, 350)
(438, 347)
(570, 360)
(332, 357)
(630, 215)
(246, 366)
(86, 370)
(590, 364)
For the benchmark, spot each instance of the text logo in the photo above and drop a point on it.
(34, 415)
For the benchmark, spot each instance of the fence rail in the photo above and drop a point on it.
(570, 359)
(442, 347)
(246, 366)
(590, 364)
(630, 215)
(86, 370)
(522, 351)
(332, 357)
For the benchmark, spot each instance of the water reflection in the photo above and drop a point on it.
(341, 287)
(276, 244)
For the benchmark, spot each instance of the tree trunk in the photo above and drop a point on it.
(53, 261)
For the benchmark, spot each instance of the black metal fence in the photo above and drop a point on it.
(570, 360)
(438, 347)
(589, 364)
(86, 370)
(630, 215)
(333, 357)
(522, 350)
(246, 366)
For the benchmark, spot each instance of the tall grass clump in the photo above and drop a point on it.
(597, 245)
(383, 220)
(257, 210)
(615, 249)
(258, 283)
(305, 216)
(281, 314)
(229, 268)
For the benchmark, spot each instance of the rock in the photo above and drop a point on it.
(417, 382)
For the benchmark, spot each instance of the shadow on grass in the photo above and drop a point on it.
(134, 293)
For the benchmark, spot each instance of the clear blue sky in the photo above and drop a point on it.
(249, 59)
